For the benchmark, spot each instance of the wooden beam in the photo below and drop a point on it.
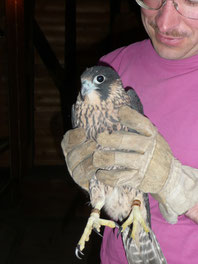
(70, 92)
(20, 84)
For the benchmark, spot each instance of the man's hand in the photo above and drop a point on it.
(78, 154)
(145, 157)
(145, 161)
(193, 213)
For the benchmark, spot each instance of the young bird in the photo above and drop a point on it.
(96, 110)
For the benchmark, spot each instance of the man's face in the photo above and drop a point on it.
(173, 36)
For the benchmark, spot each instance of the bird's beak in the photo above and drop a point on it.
(87, 87)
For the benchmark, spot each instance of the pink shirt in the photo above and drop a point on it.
(168, 90)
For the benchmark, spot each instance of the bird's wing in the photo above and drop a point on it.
(150, 251)
(135, 101)
(137, 105)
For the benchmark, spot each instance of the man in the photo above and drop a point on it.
(164, 73)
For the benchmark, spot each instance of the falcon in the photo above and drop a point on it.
(96, 110)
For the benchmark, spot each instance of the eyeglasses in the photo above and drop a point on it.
(186, 8)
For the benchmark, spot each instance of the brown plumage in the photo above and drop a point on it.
(96, 110)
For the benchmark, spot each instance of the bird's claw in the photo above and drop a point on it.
(117, 225)
(78, 251)
(119, 231)
(94, 229)
(93, 223)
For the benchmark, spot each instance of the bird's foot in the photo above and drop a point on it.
(136, 218)
(94, 223)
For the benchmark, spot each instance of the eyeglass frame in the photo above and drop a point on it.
(141, 4)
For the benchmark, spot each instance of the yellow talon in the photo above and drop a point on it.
(94, 222)
(136, 218)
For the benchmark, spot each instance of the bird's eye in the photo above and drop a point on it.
(99, 79)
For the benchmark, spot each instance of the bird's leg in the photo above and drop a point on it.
(94, 222)
(136, 218)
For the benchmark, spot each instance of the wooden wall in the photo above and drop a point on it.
(4, 127)
(92, 27)
(95, 37)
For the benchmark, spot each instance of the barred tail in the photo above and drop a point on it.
(149, 251)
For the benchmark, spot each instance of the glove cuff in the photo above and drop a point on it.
(180, 192)
(158, 169)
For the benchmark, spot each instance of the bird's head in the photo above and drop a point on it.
(98, 81)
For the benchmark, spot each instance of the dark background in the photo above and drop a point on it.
(44, 47)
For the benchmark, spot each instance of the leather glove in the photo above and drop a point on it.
(145, 161)
(78, 154)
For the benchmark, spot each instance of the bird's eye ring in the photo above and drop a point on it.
(99, 79)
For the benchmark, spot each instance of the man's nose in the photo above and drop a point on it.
(167, 17)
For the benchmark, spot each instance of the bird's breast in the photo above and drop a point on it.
(118, 201)
(96, 118)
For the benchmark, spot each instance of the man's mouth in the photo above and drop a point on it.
(168, 40)
(172, 37)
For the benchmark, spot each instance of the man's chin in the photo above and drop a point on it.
(169, 52)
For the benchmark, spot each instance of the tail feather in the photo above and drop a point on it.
(149, 251)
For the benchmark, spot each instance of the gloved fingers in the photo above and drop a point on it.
(72, 138)
(134, 120)
(111, 159)
(122, 140)
(119, 177)
(79, 153)
(83, 172)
